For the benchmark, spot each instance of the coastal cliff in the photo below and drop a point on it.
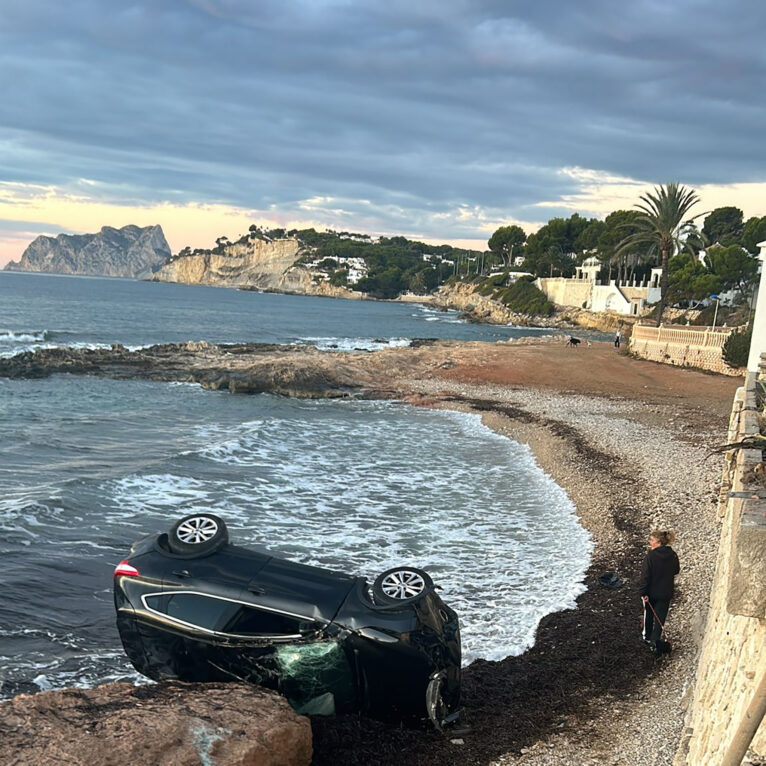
(131, 251)
(255, 264)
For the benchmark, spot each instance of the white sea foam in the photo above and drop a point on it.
(354, 344)
(447, 316)
(21, 347)
(33, 336)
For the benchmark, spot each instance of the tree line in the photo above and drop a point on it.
(661, 231)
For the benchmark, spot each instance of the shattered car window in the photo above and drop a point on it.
(314, 675)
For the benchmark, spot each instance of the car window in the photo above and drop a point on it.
(257, 622)
(204, 611)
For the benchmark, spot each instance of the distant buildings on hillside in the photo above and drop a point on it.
(356, 268)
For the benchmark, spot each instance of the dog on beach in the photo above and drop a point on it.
(574, 342)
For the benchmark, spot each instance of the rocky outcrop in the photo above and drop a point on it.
(482, 308)
(255, 264)
(170, 724)
(132, 251)
(300, 371)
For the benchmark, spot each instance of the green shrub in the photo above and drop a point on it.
(524, 298)
(737, 348)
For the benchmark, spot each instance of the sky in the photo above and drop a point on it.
(437, 120)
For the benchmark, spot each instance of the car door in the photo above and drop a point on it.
(225, 573)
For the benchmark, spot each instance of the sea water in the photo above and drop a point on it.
(88, 465)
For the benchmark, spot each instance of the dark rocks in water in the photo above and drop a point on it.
(182, 724)
(299, 371)
(131, 251)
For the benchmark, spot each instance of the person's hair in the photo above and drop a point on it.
(664, 536)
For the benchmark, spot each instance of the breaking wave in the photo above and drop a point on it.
(355, 344)
(8, 337)
(13, 343)
(446, 316)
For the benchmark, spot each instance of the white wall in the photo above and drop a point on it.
(758, 343)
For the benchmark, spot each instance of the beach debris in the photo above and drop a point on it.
(610, 580)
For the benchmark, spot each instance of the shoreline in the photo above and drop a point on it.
(587, 691)
(626, 439)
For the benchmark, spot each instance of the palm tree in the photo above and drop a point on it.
(662, 227)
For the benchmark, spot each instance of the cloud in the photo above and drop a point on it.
(414, 117)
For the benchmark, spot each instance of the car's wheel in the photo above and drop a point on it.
(198, 533)
(401, 585)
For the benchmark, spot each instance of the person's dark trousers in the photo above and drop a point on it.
(652, 629)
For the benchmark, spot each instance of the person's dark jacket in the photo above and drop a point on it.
(657, 573)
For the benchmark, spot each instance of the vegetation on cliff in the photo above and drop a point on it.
(386, 267)
(522, 296)
(390, 266)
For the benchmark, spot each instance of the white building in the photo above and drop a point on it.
(512, 276)
(629, 297)
(357, 268)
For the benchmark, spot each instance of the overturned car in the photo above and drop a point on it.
(190, 606)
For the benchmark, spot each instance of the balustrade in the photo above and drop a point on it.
(682, 335)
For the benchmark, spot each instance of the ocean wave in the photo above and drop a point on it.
(24, 336)
(355, 344)
(44, 346)
(445, 316)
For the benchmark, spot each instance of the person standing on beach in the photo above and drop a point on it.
(656, 586)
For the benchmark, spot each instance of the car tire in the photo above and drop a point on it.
(197, 534)
(401, 585)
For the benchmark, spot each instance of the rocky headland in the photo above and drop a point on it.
(131, 251)
(464, 297)
(253, 264)
(628, 440)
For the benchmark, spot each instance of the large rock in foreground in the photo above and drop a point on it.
(171, 724)
(132, 251)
